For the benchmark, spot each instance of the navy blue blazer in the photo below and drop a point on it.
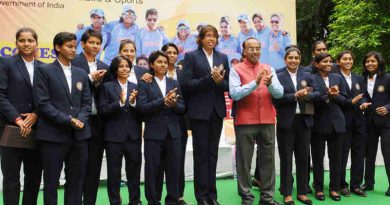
(202, 94)
(159, 119)
(380, 97)
(56, 105)
(119, 122)
(16, 90)
(352, 113)
(286, 106)
(329, 116)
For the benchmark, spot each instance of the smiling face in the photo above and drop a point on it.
(345, 62)
(371, 64)
(128, 18)
(26, 44)
(160, 66)
(128, 51)
(224, 28)
(97, 21)
(243, 25)
(209, 41)
(325, 65)
(123, 70)
(183, 31)
(252, 50)
(292, 60)
(258, 23)
(172, 55)
(320, 48)
(92, 46)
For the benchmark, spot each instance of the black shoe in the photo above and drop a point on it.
(269, 203)
(359, 192)
(213, 202)
(366, 187)
(320, 197)
(182, 202)
(288, 202)
(255, 183)
(306, 201)
(308, 190)
(335, 197)
(345, 192)
(388, 192)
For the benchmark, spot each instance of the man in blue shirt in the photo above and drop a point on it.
(227, 43)
(97, 23)
(150, 38)
(245, 32)
(262, 35)
(126, 29)
(278, 42)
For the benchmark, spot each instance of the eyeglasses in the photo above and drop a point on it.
(252, 49)
(182, 28)
(152, 19)
(275, 22)
(127, 14)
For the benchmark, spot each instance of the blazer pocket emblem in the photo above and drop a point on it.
(381, 88)
(357, 86)
(79, 86)
(303, 83)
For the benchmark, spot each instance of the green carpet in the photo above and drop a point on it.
(227, 193)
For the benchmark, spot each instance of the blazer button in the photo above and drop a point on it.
(166, 117)
(29, 105)
(71, 107)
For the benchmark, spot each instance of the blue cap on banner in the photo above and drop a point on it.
(243, 17)
(127, 8)
(98, 12)
(183, 22)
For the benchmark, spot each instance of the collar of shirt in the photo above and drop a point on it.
(123, 86)
(30, 68)
(373, 78)
(209, 57)
(347, 76)
(249, 64)
(27, 62)
(277, 35)
(64, 67)
(132, 77)
(292, 74)
(162, 84)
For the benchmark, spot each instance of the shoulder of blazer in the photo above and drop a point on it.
(102, 64)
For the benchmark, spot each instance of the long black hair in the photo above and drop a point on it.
(381, 63)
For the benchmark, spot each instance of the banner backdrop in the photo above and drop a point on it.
(52, 16)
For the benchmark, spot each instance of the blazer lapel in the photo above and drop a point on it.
(322, 83)
(62, 78)
(204, 59)
(85, 62)
(23, 70)
(156, 88)
(349, 90)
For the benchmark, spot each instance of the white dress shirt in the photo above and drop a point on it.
(294, 80)
(68, 74)
(162, 84)
(30, 69)
(370, 85)
(209, 58)
(348, 78)
(123, 89)
(326, 80)
(92, 68)
(132, 77)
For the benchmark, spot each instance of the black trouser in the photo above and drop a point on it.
(115, 151)
(94, 164)
(205, 138)
(355, 140)
(156, 152)
(160, 177)
(334, 144)
(75, 155)
(11, 161)
(372, 148)
(295, 140)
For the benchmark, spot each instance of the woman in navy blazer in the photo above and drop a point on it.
(17, 108)
(329, 126)
(127, 49)
(161, 105)
(355, 135)
(377, 86)
(295, 112)
(122, 131)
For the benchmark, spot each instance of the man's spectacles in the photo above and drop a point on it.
(253, 49)
(275, 22)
